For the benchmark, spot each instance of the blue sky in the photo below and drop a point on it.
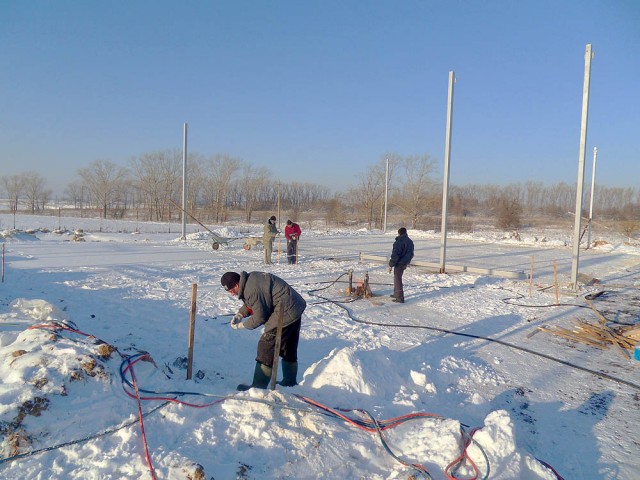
(319, 90)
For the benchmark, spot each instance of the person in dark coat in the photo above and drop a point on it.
(262, 294)
(270, 232)
(401, 256)
(292, 233)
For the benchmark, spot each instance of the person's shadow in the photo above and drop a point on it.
(563, 438)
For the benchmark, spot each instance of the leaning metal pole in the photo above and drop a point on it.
(184, 184)
(581, 157)
(445, 186)
(593, 185)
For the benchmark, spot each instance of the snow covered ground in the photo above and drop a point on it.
(80, 320)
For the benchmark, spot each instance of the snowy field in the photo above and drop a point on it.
(94, 336)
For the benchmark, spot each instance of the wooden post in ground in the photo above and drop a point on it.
(276, 351)
(192, 329)
(531, 277)
(555, 279)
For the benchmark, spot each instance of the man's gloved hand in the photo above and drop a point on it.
(390, 268)
(236, 321)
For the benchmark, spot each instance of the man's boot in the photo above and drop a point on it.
(289, 374)
(261, 378)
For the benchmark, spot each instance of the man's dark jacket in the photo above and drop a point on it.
(262, 294)
(402, 252)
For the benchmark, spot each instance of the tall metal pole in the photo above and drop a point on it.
(581, 157)
(593, 185)
(184, 184)
(445, 186)
(278, 204)
(386, 196)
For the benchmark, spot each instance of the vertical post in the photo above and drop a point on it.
(445, 186)
(531, 277)
(2, 262)
(386, 196)
(350, 287)
(367, 289)
(184, 183)
(555, 279)
(581, 156)
(59, 226)
(192, 329)
(593, 185)
(279, 221)
(276, 351)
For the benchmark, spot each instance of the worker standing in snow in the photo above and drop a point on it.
(292, 233)
(270, 232)
(401, 256)
(262, 294)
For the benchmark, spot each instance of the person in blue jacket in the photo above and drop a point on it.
(401, 256)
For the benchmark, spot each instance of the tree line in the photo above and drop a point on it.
(222, 185)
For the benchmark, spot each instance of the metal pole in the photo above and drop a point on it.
(278, 222)
(445, 186)
(386, 196)
(581, 157)
(184, 183)
(593, 185)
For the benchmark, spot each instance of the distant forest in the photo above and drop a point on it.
(223, 188)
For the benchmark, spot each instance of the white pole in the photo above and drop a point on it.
(593, 184)
(386, 196)
(445, 186)
(581, 157)
(184, 184)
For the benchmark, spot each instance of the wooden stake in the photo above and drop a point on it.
(531, 277)
(555, 279)
(192, 329)
(276, 352)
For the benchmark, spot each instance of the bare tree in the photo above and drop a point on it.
(253, 181)
(158, 178)
(336, 211)
(367, 193)
(74, 193)
(104, 180)
(35, 190)
(220, 171)
(413, 194)
(509, 212)
(14, 187)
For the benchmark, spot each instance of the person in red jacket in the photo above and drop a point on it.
(292, 233)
